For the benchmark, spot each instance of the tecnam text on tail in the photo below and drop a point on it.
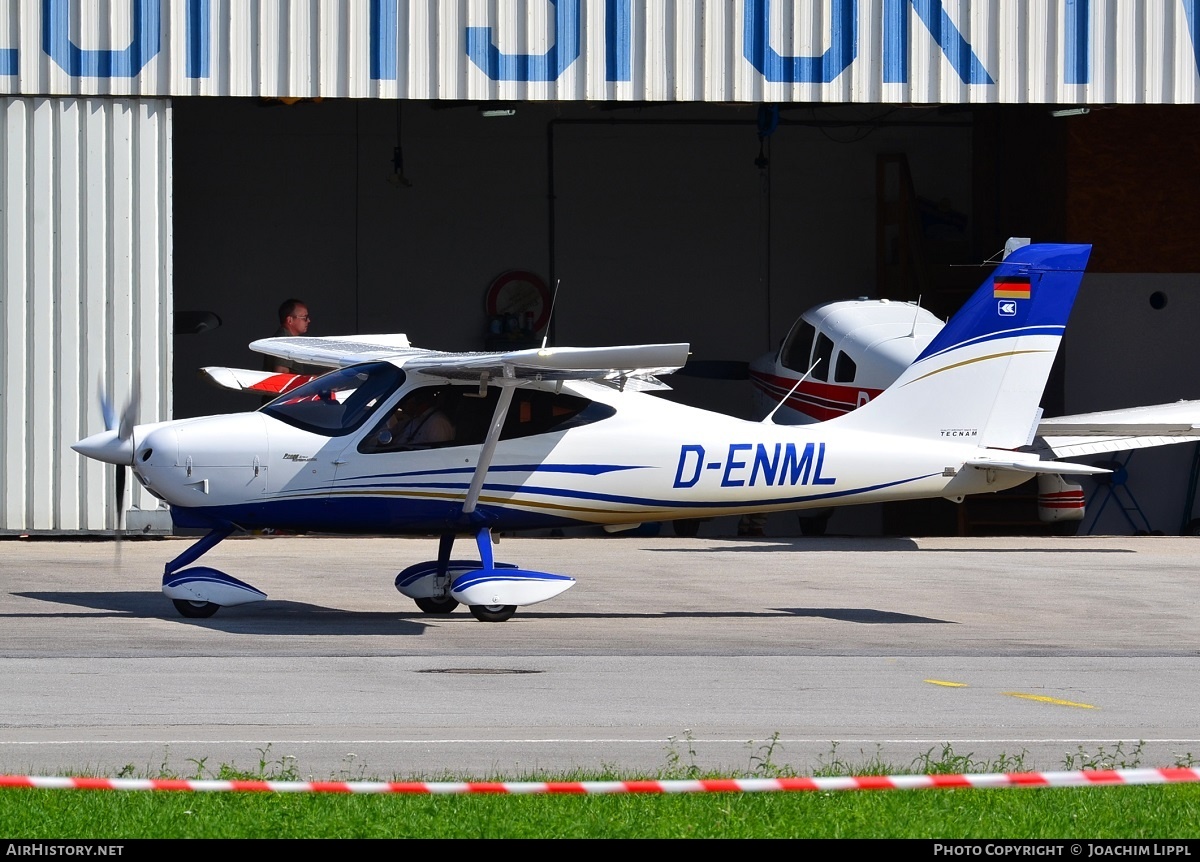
(564, 436)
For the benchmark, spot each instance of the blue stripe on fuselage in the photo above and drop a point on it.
(578, 469)
(373, 510)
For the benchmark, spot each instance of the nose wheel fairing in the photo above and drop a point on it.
(201, 584)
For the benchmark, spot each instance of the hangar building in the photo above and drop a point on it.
(682, 170)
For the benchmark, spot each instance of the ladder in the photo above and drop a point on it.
(1113, 487)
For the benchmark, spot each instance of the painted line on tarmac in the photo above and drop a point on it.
(1079, 778)
(1041, 698)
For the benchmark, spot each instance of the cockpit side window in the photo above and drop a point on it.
(822, 352)
(844, 369)
(796, 350)
(434, 417)
(339, 402)
(535, 411)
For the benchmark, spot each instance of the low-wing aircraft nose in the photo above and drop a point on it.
(107, 446)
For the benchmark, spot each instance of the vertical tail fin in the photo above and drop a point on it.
(981, 379)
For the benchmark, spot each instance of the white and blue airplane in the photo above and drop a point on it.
(560, 437)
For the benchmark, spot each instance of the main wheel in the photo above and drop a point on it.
(432, 605)
(195, 610)
(493, 613)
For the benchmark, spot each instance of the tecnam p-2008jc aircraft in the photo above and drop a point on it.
(564, 436)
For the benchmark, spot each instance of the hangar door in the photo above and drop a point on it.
(85, 298)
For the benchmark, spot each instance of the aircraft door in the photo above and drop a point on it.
(312, 444)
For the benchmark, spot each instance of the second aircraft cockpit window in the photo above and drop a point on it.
(340, 401)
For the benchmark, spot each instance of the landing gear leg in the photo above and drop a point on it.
(441, 603)
(198, 550)
(489, 613)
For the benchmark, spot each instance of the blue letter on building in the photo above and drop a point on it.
(75, 61)
(529, 67)
(383, 40)
(945, 34)
(1189, 9)
(843, 46)
(197, 38)
(617, 40)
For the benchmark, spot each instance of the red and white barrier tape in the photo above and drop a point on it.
(1083, 778)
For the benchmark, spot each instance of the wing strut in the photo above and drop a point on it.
(489, 443)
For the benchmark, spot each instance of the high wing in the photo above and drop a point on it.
(1118, 430)
(635, 366)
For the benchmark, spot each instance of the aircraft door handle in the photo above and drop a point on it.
(339, 461)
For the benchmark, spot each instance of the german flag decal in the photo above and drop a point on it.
(1011, 287)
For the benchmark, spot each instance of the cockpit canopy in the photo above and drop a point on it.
(342, 401)
(867, 342)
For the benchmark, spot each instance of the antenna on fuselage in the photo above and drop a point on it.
(790, 393)
(550, 316)
(916, 314)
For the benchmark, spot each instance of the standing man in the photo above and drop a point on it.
(293, 320)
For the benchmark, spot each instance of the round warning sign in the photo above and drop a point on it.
(521, 294)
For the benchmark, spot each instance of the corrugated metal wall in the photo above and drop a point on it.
(85, 297)
(787, 51)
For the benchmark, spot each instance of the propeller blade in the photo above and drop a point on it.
(120, 497)
(114, 445)
(106, 408)
(129, 416)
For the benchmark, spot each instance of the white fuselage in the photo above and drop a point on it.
(650, 460)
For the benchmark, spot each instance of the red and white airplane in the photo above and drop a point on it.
(841, 355)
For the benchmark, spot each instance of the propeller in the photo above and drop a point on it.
(125, 426)
(113, 445)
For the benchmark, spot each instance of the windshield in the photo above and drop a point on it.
(338, 402)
